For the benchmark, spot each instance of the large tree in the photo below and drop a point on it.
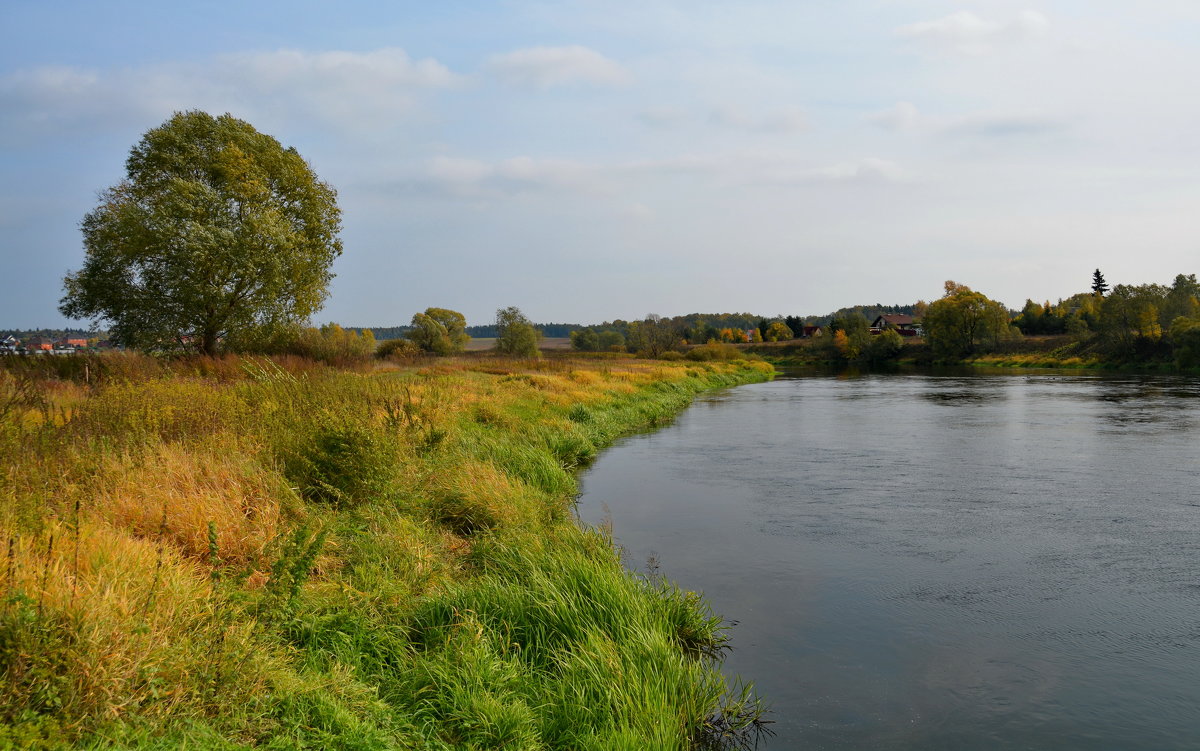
(218, 237)
(440, 331)
(963, 321)
(653, 336)
(515, 334)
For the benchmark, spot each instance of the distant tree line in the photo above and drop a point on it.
(53, 333)
(1128, 322)
(483, 331)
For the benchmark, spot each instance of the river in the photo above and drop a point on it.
(922, 561)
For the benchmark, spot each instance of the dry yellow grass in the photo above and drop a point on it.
(122, 622)
(126, 620)
(178, 491)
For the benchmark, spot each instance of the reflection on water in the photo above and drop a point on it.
(938, 561)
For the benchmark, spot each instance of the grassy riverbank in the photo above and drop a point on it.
(228, 554)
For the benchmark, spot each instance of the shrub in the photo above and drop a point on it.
(343, 465)
(440, 331)
(714, 351)
(334, 345)
(516, 335)
(398, 349)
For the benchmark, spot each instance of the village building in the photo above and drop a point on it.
(900, 323)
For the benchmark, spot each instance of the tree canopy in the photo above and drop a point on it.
(218, 237)
(439, 330)
(653, 336)
(964, 320)
(778, 331)
(515, 334)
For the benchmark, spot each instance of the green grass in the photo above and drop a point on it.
(276, 554)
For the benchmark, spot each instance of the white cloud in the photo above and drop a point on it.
(469, 178)
(474, 178)
(904, 116)
(869, 169)
(968, 33)
(1003, 126)
(901, 116)
(638, 211)
(783, 120)
(663, 116)
(548, 67)
(347, 89)
(786, 120)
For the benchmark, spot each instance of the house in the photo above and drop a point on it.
(901, 323)
(39, 344)
(807, 332)
(9, 344)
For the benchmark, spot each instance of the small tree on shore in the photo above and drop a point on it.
(515, 334)
(963, 321)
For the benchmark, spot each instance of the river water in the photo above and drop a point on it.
(919, 561)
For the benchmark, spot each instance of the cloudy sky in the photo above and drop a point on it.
(592, 160)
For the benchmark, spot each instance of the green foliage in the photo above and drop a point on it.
(1185, 334)
(852, 322)
(611, 341)
(217, 235)
(425, 588)
(343, 464)
(440, 331)
(1129, 318)
(333, 345)
(702, 332)
(715, 351)
(585, 340)
(884, 347)
(1099, 286)
(964, 321)
(590, 340)
(296, 552)
(557, 647)
(653, 336)
(397, 349)
(778, 331)
(516, 335)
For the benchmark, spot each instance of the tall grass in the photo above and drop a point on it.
(226, 553)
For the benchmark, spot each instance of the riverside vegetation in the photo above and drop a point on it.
(275, 553)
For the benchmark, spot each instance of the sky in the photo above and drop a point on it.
(587, 160)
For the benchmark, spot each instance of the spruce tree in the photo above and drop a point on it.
(1099, 286)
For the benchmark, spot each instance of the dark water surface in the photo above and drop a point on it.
(924, 562)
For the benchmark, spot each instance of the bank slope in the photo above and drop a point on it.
(242, 553)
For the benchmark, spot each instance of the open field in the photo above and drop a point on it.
(548, 343)
(227, 553)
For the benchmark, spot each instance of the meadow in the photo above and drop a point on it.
(273, 553)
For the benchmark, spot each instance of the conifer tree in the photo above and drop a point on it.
(1099, 286)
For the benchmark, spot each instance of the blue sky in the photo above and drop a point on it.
(596, 160)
